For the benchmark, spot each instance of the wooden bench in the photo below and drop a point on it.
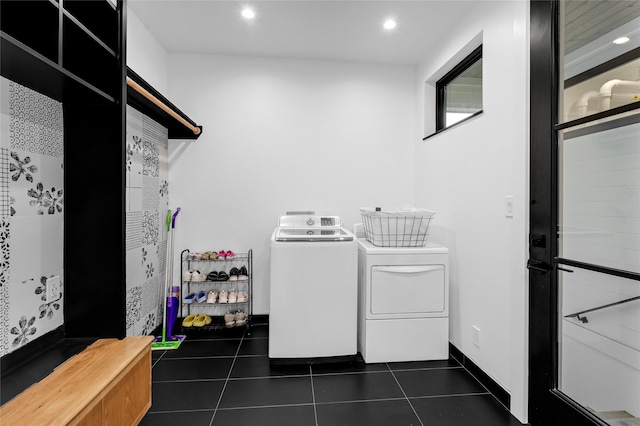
(109, 383)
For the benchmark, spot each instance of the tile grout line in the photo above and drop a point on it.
(224, 387)
(405, 394)
(313, 395)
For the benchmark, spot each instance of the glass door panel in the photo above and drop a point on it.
(599, 343)
(597, 308)
(599, 188)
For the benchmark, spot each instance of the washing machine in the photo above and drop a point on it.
(403, 302)
(313, 290)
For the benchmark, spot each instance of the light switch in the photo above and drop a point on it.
(508, 206)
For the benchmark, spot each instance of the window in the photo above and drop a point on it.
(459, 92)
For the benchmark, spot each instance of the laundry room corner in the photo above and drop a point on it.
(285, 135)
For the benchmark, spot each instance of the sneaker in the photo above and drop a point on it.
(223, 297)
(229, 319)
(243, 274)
(233, 274)
(240, 318)
(212, 296)
(233, 297)
(242, 296)
(197, 276)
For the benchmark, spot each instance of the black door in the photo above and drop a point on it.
(584, 242)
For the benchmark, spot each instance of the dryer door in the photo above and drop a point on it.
(408, 291)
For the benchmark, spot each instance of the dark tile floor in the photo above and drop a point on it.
(228, 380)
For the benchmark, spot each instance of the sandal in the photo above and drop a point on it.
(189, 298)
(205, 255)
(230, 254)
(212, 276)
(213, 255)
(187, 275)
(202, 296)
(200, 320)
(222, 276)
(188, 321)
(222, 254)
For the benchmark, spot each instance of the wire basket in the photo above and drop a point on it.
(396, 227)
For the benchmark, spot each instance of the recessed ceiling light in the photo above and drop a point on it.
(248, 13)
(621, 40)
(389, 24)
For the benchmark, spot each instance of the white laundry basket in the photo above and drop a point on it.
(396, 227)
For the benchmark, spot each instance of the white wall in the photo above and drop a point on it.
(145, 56)
(464, 174)
(285, 135)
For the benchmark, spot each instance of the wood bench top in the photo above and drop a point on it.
(75, 384)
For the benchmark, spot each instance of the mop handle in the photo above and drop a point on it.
(173, 221)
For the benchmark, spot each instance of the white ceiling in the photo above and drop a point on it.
(310, 29)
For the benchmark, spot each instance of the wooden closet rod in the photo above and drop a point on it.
(135, 86)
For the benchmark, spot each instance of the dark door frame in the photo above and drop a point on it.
(547, 406)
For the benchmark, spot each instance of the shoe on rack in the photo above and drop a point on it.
(212, 296)
(187, 275)
(229, 319)
(233, 274)
(188, 321)
(240, 318)
(202, 296)
(200, 320)
(230, 254)
(197, 276)
(189, 298)
(205, 255)
(223, 297)
(242, 296)
(243, 274)
(223, 276)
(233, 297)
(222, 254)
(212, 276)
(195, 256)
(213, 255)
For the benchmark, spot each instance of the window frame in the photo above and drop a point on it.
(455, 72)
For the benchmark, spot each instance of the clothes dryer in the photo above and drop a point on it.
(403, 302)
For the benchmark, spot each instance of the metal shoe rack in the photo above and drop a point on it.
(217, 310)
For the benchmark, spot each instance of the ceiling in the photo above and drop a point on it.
(587, 20)
(321, 29)
(344, 30)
